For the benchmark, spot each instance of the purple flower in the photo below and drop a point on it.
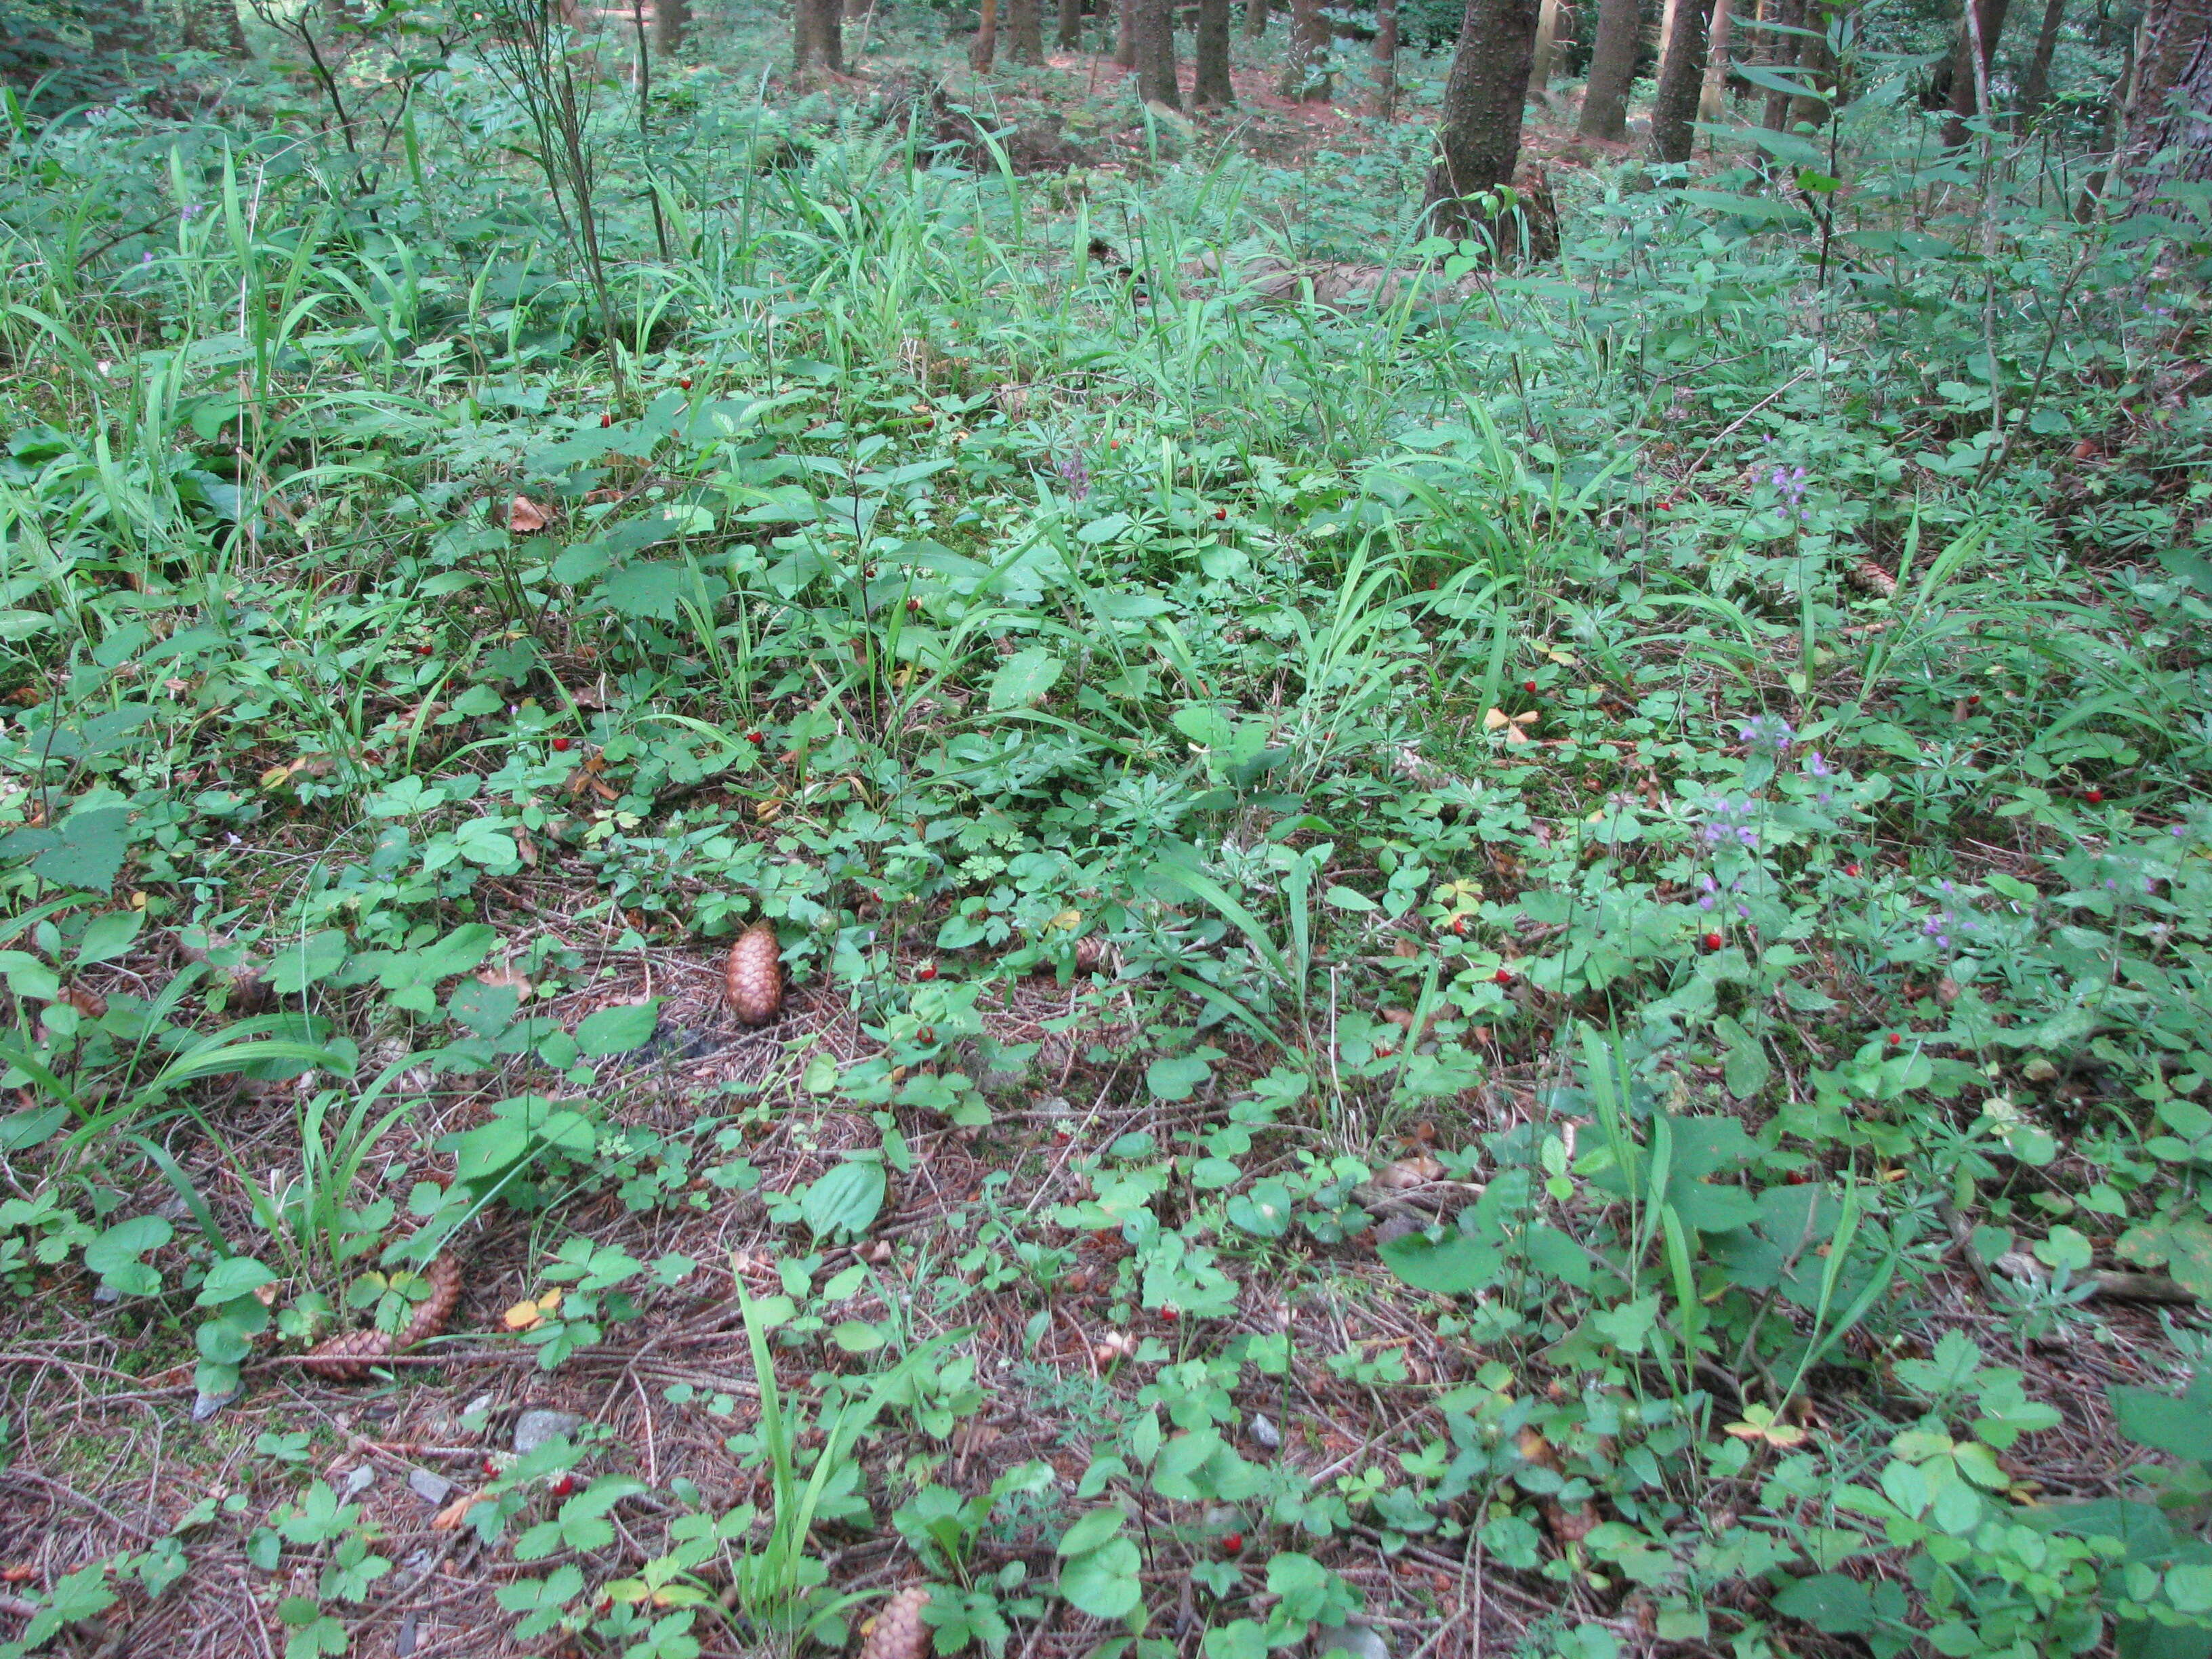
(1075, 474)
(1770, 733)
(1817, 765)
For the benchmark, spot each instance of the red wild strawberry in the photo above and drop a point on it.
(605, 420)
(1459, 926)
(1232, 1543)
(755, 736)
(1220, 512)
(913, 607)
(1896, 1040)
(561, 1484)
(560, 745)
(1852, 870)
(1171, 1315)
(1713, 941)
(1530, 686)
(2093, 796)
(1503, 976)
(685, 383)
(1975, 700)
(490, 1468)
(426, 650)
(927, 970)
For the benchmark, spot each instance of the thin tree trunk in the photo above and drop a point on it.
(213, 26)
(1668, 13)
(985, 51)
(818, 29)
(1539, 62)
(1212, 88)
(1303, 75)
(2035, 85)
(1386, 59)
(1125, 43)
(2172, 86)
(1712, 95)
(1255, 18)
(1990, 15)
(1681, 78)
(1071, 25)
(1024, 32)
(1781, 54)
(1816, 68)
(671, 24)
(1611, 71)
(1479, 140)
(1156, 53)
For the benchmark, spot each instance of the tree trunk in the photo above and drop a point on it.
(818, 31)
(1668, 13)
(1681, 78)
(1964, 78)
(1781, 53)
(1539, 62)
(213, 26)
(2172, 86)
(1713, 92)
(1024, 32)
(1816, 68)
(1386, 59)
(1071, 25)
(1612, 70)
(1156, 53)
(1212, 89)
(2035, 85)
(1255, 18)
(1479, 139)
(985, 51)
(672, 23)
(1305, 76)
(1125, 42)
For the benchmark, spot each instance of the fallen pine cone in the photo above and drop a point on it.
(1866, 573)
(753, 980)
(346, 1358)
(898, 1632)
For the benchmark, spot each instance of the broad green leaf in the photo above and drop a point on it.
(1023, 678)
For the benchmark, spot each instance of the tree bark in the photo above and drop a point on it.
(1125, 42)
(1782, 53)
(1539, 62)
(213, 26)
(1964, 103)
(1668, 13)
(1681, 78)
(1255, 18)
(1611, 71)
(1213, 88)
(1071, 25)
(671, 24)
(985, 51)
(1713, 92)
(2035, 85)
(1479, 140)
(1304, 77)
(1024, 32)
(1816, 69)
(1156, 53)
(2172, 86)
(1386, 59)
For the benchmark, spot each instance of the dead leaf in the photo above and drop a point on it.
(1513, 726)
(523, 1316)
(525, 515)
(456, 1512)
(1417, 1171)
(508, 976)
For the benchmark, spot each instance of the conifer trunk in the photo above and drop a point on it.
(2035, 85)
(985, 51)
(1713, 92)
(1547, 36)
(1024, 32)
(1681, 78)
(1213, 88)
(1304, 77)
(1479, 140)
(1156, 53)
(1611, 71)
(1386, 58)
(1071, 25)
(1990, 15)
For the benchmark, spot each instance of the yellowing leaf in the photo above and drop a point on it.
(525, 515)
(1759, 1424)
(522, 1316)
(1066, 922)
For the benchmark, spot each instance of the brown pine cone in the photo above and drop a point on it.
(898, 1632)
(753, 980)
(346, 1358)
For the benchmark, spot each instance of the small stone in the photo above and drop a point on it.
(403, 1644)
(358, 1481)
(1359, 1640)
(1264, 1431)
(430, 1488)
(205, 1406)
(534, 1428)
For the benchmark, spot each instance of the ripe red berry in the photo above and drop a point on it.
(1232, 1543)
(755, 736)
(927, 970)
(605, 420)
(490, 1467)
(685, 383)
(1713, 941)
(1459, 926)
(1503, 976)
(1220, 512)
(1975, 700)
(1530, 686)
(1113, 443)
(1170, 1314)
(561, 1484)
(426, 650)
(560, 745)
(1895, 1041)
(913, 607)
(2093, 796)
(1852, 870)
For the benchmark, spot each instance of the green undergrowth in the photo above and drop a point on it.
(1666, 787)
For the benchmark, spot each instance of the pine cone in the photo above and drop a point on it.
(898, 1632)
(753, 981)
(346, 1358)
(1866, 573)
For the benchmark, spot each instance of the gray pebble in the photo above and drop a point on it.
(1361, 1641)
(1264, 1431)
(534, 1428)
(430, 1488)
(205, 1406)
(358, 1481)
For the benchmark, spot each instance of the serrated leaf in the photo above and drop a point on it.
(1023, 678)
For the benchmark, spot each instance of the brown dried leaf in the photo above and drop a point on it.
(525, 515)
(456, 1512)
(509, 974)
(752, 979)
(1416, 1171)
